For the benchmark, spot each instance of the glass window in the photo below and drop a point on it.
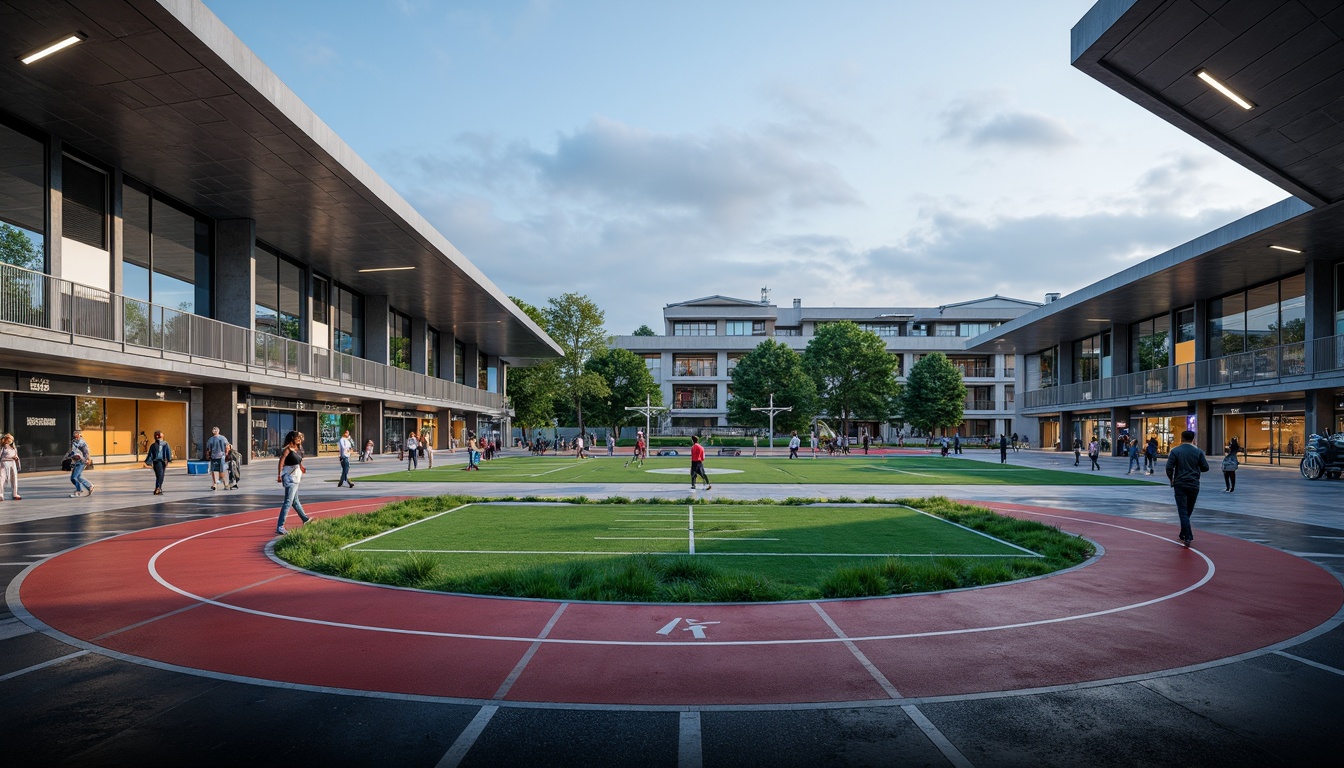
(135, 253)
(279, 295)
(347, 335)
(459, 362)
(23, 200)
(321, 300)
(919, 329)
(695, 365)
(1151, 343)
(688, 396)
(654, 362)
(1049, 367)
(1339, 298)
(694, 329)
(881, 329)
(975, 329)
(398, 340)
(83, 203)
(1227, 326)
(482, 372)
(432, 354)
(1087, 359)
(1293, 310)
(1262, 317)
(181, 260)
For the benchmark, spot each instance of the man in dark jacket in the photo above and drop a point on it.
(1185, 464)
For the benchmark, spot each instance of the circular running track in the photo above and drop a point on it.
(204, 596)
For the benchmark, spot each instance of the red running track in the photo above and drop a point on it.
(203, 595)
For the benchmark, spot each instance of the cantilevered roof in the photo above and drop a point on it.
(1285, 56)
(1225, 260)
(166, 91)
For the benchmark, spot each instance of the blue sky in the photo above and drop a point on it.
(845, 153)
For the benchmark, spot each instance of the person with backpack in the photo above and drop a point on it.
(1230, 464)
(1150, 454)
(79, 459)
(158, 456)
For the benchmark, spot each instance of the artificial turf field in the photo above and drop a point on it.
(854, 470)
(793, 544)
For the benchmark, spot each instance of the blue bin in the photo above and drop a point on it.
(198, 467)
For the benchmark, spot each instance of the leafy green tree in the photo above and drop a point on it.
(854, 375)
(533, 389)
(772, 368)
(934, 396)
(575, 323)
(628, 381)
(644, 330)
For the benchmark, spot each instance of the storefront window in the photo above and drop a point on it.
(331, 425)
(279, 291)
(1151, 345)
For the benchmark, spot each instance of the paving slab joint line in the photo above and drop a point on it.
(690, 748)
(465, 740)
(43, 665)
(1310, 663)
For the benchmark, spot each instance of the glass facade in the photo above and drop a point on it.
(691, 396)
(166, 254)
(1092, 358)
(654, 362)
(279, 295)
(881, 329)
(1261, 317)
(1150, 344)
(432, 353)
(398, 340)
(23, 200)
(459, 362)
(347, 329)
(695, 365)
(742, 328)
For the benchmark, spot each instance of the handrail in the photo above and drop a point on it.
(39, 300)
(1262, 366)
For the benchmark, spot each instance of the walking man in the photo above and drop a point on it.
(698, 462)
(1003, 448)
(1185, 464)
(157, 456)
(1150, 454)
(794, 445)
(344, 446)
(216, 450)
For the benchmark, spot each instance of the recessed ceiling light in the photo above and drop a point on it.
(1236, 98)
(1284, 248)
(387, 269)
(59, 45)
(1098, 320)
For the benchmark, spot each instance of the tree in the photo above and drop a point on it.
(533, 389)
(575, 323)
(934, 396)
(17, 249)
(854, 375)
(644, 330)
(628, 382)
(772, 368)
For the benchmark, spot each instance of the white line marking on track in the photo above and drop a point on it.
(43, 665)
(531, 651)
(1208, 576)
(690, 512)
(701, 554)
(453, 757)
(678, 538)
(1310, 663)
(690, 752)
(854, 649)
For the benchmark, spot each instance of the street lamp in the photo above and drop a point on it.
(648, 409)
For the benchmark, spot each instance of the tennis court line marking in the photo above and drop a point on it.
(404, 527)
(978, 533)
(669, 553)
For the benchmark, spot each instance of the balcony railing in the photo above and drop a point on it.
(980, 405)
(1262, 366)
(976, 371)
(94, 317)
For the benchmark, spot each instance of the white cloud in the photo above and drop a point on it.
(981, 123)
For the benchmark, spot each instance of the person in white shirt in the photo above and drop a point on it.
(345, 445)
(794, 445)
(412, 448)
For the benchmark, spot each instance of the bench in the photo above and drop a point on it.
(667, 452)
(730, 451)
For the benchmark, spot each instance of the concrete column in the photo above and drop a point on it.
(114, 244)
(1320, 415)
(445, 421)
(1120, 350)
(376, 335)
(447, 355)
(503, 378)
(1203, 411)
(419, 345)
(220, 409)
(473, 364)
(235, 274)
(371, 424)
(1320, 278)
(1118, 415)
(1066, 364)
(1066, 431)
(54, 208)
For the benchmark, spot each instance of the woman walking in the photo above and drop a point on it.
(1093, 451)
(157, 455)
(412, 448)
(288, 474)
(79, 459)
(1230, 467)
(9, 466)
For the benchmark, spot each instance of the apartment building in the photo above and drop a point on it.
(704, 338)
(184, 244)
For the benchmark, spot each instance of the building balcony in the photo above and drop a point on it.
(40, 309)
(1295, 363)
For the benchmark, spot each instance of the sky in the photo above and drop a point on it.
(878, 153)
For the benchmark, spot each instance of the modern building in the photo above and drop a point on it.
(704, 338)
(1237, 333)
(186, 245)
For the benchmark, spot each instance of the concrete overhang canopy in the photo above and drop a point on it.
(1226, 260)
(167, 92)
(1285, 56)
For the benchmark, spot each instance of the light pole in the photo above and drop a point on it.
(772, 410)
(648, 409)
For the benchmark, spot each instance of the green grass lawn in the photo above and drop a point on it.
(858, 470)
(680, 553)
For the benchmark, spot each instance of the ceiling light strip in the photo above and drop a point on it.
(1217, 85)
(387, 269)
(1284, 248)
(53, 48)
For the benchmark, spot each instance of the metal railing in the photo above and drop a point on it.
(977, 371)
(38, 300)
(980, 405)
(1303, 359)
